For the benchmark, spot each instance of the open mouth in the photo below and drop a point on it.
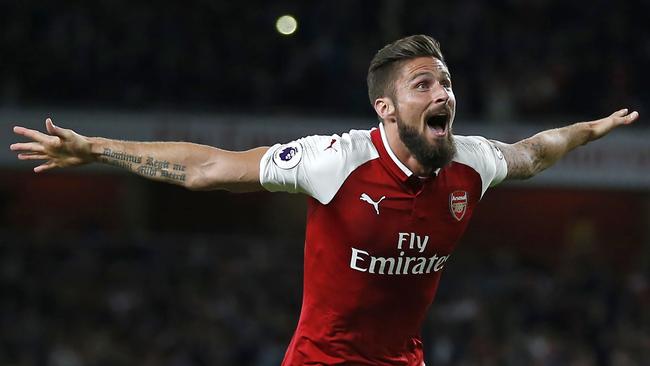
(438, 123)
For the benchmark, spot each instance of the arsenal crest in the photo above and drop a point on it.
(458, 204)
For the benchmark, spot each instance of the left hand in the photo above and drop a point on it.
(603, 126)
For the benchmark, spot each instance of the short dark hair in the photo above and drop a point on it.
(381, 73)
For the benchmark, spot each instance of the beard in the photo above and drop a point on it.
(432, 156)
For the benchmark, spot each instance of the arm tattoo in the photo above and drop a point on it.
(147, 171)
(162, 166)
(119, 159)
(534, 154)
(116, 163)
(157, 164)
(150, 168)
(172, 176)
(524, 159)
(121, 156)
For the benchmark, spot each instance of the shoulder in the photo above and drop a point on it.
(472, 145)
(325, 152)
(357, 141)
(320, 149)
(483, 156)
(471, 150)
(316, 165)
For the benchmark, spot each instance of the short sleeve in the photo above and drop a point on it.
(315, 165)
(484, 157)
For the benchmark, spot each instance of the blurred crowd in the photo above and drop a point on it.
(176, 301)
(509, 59)
(501, 309)
(197, 300)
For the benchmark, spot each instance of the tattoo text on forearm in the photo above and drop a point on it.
(151, 168)
(119, 159)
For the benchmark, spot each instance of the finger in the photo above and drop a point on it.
(44, 167)
(55, 130)
(32, 134)
(631, 117)
(27, 146)
(33, 156)
(620, 112)
(49, 126)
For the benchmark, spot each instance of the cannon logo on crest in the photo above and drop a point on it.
(458, 204)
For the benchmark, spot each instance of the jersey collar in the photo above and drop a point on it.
(387, 156)
(391, 154)
(389, 160)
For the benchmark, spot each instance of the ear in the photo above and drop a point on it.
(385, 108)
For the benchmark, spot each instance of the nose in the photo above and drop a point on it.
(440, 94)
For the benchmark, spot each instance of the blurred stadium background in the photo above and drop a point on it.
(101, 268)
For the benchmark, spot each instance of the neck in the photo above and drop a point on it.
(402, 152)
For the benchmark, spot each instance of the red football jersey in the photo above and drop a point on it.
(377, 240)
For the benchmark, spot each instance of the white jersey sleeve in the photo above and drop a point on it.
(484, 157)
(315, 165)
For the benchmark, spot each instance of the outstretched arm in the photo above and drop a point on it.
(194, 166)
(530, 156)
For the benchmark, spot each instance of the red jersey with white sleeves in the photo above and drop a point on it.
(377, 240)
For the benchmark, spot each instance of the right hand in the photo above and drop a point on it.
(60, 147)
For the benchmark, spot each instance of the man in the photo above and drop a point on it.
(386, 206)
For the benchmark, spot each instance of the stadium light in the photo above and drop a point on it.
(286, 25)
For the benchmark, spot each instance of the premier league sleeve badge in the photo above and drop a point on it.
(288, 156)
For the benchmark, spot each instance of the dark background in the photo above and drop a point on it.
(101, 268)
(549, 57)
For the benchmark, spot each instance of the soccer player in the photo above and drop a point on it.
(386, 206)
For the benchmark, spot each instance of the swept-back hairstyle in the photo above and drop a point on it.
(383, 67)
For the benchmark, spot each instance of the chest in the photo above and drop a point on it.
(376, 212)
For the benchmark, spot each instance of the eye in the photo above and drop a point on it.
(422, 85)
(446, 83)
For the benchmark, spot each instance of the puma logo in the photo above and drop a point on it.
(331, 146)
(364, 197)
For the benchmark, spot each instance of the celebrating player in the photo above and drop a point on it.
(386, 206)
